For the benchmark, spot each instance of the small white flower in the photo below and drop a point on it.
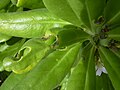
(100, 68)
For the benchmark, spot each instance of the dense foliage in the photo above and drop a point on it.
(60, 44)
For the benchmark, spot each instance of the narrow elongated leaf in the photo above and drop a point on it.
(70, 36)
(28, 56)
(94, 11)
(111, 62)
(114, 34)
(83, 75)
(48, 73)
(30, 4)
(90, 74)
(28, 24)
(78, 12)
(77, 79)
(112, 12)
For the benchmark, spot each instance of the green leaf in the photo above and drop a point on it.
(67, 10)
(95, 9)
(14, 2)
(28, 24)
(12, 8)
(4, 37)
(111, 63)
(54, 31)
(70, 36)
(112, 12)
(116, 51)
(12, 81)
(48, 73)
(4, 3)
(30, 4)
(77, 79)
(114, 34)
(3, 47)
(103, 82)
(83, 75)
(10, 51)
(90, 74)
(27, 57)
(78, 12)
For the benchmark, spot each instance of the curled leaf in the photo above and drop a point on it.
(27, 57)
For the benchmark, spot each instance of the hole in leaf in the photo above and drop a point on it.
(22, 53)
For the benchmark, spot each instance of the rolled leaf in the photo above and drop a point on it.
(28, 56)
(10, 51)
(47, 74)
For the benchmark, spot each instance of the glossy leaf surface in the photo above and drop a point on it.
(48, 73)
(4, 37)
(70, 46)
(78, 12)
(28, 24)
(67, 10)
(71, 36)
(83, 75)
(27, 57)
(9, 52)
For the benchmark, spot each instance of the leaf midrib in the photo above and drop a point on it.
(89, 16)
(73, 10)
(47, 74)
(107, 60)
(114, 17)
(62, 59)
